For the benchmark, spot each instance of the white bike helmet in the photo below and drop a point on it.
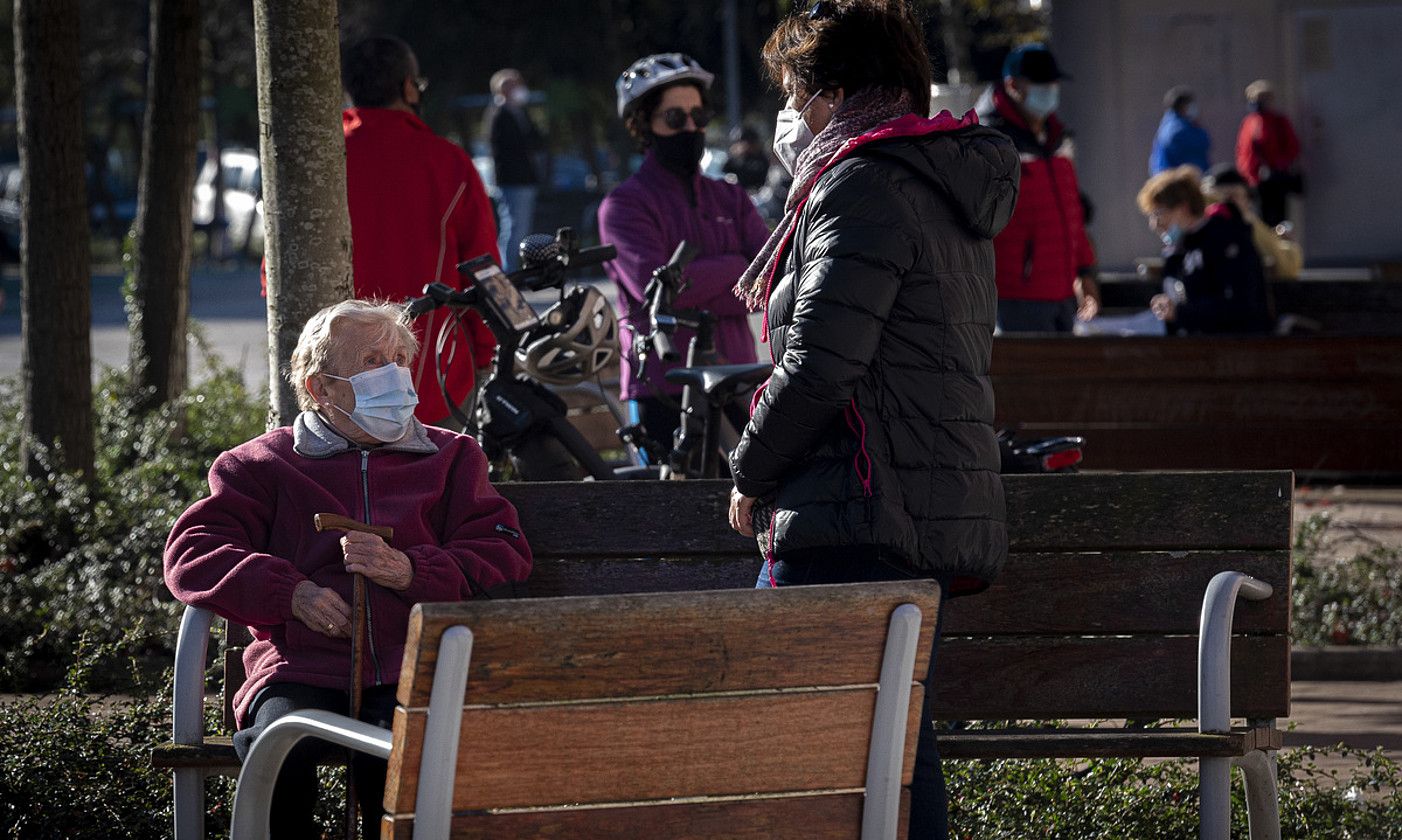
(579, 338)
(654, 71)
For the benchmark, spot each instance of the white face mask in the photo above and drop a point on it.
(520, 96)
(792, 135)
(384, 401)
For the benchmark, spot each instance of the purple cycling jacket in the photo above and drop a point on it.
(646, 217)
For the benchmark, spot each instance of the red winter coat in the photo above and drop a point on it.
(244, 549)
(417, 209)
(1044, 246)
(1266, 139)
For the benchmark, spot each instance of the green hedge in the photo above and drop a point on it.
(78, 558)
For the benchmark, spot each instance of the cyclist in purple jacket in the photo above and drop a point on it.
(662, 100)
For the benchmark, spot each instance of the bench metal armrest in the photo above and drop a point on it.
(254, 794)
(191, 648)
(1215, 646)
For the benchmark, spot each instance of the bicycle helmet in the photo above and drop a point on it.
(654, 71)
(579, 337)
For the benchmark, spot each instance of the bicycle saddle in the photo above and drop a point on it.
(721, 381)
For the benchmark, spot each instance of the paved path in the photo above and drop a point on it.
(1359, 714)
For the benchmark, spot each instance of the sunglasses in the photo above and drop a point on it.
(675, 118)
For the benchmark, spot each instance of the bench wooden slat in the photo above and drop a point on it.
(1103, 743)
(1355, 450)
(836, 816)
(653, 750)
(1186, 511)
(694, 642)
(1115, 592)
(1143, 358)
(1287, 403)
(216, 753)
(1037, 678)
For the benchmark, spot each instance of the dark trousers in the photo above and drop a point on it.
(295, 795)
(1274, 195)
(1037, 316)
(929, 804)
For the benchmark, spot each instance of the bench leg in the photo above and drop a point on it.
(189, 804)
(1258, 772)
(1215, 798)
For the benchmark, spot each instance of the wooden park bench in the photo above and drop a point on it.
(1320, 405)
(1119, 601)
(684, 715)
(1332, 306)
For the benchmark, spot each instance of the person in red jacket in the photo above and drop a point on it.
(1044, 262)
(417, 209)
(249, 551)
(1268, 153)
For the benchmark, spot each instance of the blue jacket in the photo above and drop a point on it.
(1177, 142)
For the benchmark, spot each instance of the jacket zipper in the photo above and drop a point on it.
(369, 614)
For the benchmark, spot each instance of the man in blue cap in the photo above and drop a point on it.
(1045, 263)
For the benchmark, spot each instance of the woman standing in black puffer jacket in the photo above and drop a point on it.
(871, 453)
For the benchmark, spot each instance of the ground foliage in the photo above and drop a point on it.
(78, 558)
(1350, 602)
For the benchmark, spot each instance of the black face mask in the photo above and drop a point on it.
(680, 152)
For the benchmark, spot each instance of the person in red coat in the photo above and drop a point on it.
(1268, 153)
(417, 209)
(1045, 264)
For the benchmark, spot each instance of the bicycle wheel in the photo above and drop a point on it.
(543, 458)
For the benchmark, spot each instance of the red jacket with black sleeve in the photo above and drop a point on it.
(1044, 247)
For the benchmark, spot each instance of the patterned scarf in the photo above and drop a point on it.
(858, 114)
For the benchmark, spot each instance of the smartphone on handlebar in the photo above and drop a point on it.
(504, 298)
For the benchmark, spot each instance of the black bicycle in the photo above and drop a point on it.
(705, 436)
(516, 418)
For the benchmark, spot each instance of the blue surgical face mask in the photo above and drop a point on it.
(1041, 100)
(1171, 236)
(384, 401)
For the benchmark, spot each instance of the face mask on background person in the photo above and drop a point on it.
(384, 401)
(1190, 112)
(520, 96)
(1041, 100)
(792, 134)
(1171, 236)
(680, 152)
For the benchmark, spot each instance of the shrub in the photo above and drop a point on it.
(1127, 798)
(81, 558)
(1346, 602)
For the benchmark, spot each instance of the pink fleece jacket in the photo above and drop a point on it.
(241, 551)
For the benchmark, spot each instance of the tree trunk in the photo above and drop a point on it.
(57, 317)
(160, 298)
(304, 176)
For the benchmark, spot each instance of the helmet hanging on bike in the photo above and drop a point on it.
(654, 71)
(578, 338)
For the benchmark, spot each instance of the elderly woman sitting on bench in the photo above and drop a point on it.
(414, 518)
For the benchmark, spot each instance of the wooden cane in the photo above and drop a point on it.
(336, 522)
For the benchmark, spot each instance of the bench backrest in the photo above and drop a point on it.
(746, 708)
(1095, 616)
(1318, 404)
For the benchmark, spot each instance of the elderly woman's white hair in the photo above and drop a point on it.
(316, 344)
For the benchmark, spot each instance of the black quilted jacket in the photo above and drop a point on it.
(876, 427)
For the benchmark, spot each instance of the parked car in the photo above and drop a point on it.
(243, 197)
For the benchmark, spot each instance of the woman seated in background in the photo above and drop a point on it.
(1213, 279)
(1280, 257)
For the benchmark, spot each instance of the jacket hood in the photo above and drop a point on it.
(976, 167)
